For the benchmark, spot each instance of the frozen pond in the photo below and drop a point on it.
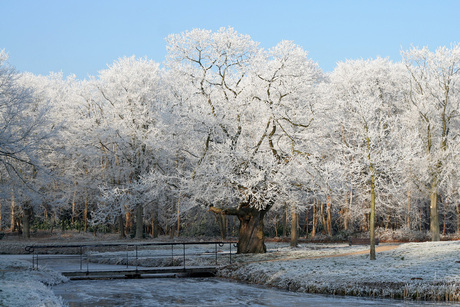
(199, 292)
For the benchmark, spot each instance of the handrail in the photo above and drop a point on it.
(87, 247)
(30, 248)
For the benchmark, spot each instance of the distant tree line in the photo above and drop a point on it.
(227, 138)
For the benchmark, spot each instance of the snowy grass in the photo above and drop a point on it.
(20, 285)
(423, 271)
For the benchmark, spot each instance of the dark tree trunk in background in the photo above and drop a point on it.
(294, 228)
(284, 221)
(139, 222)
(222, 225)
(155, 227)
(26, 221)
(121, 227)
(329, 217)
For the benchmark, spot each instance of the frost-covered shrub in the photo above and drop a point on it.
(402, 234)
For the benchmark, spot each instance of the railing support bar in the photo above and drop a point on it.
(183, 247)
(136, 259)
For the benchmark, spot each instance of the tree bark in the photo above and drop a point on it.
(347, 211)
(434, 217)
(458, 217)
(284, 221)
(13, 214)
(408, 222)
(128, 222)
(372, 218)
(306, 223)
(444, 223)
(85, 214)
(329, 217)
(139, 222)
(73, 206)
(121, 227)
(26, 221)
(364, 226)
(294, 229)
(178, 217)
(251, 231)
(314, 221)
(155, 229)
(323, 218)
(222, 225)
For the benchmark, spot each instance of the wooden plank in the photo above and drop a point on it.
(142, 271)
(171, 275)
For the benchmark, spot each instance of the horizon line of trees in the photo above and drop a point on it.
(227, 127)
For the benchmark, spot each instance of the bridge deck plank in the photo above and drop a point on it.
(143, 270)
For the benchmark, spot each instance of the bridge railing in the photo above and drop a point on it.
(129, 255)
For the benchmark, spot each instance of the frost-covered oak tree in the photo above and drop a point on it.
(248, 108)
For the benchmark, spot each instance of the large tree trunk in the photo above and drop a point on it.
(251, 231)
(139, 222)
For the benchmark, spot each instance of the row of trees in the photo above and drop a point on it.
(226, 126)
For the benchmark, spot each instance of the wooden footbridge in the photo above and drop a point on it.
(134, 260)
(143, 272)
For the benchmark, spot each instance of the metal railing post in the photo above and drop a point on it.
(137, 261)
(183, 246)
(87, 260)
(81, 258)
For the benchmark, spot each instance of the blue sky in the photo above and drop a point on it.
(84, 36)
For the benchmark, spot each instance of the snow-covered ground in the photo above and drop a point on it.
(425, 271)
(20, 285)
